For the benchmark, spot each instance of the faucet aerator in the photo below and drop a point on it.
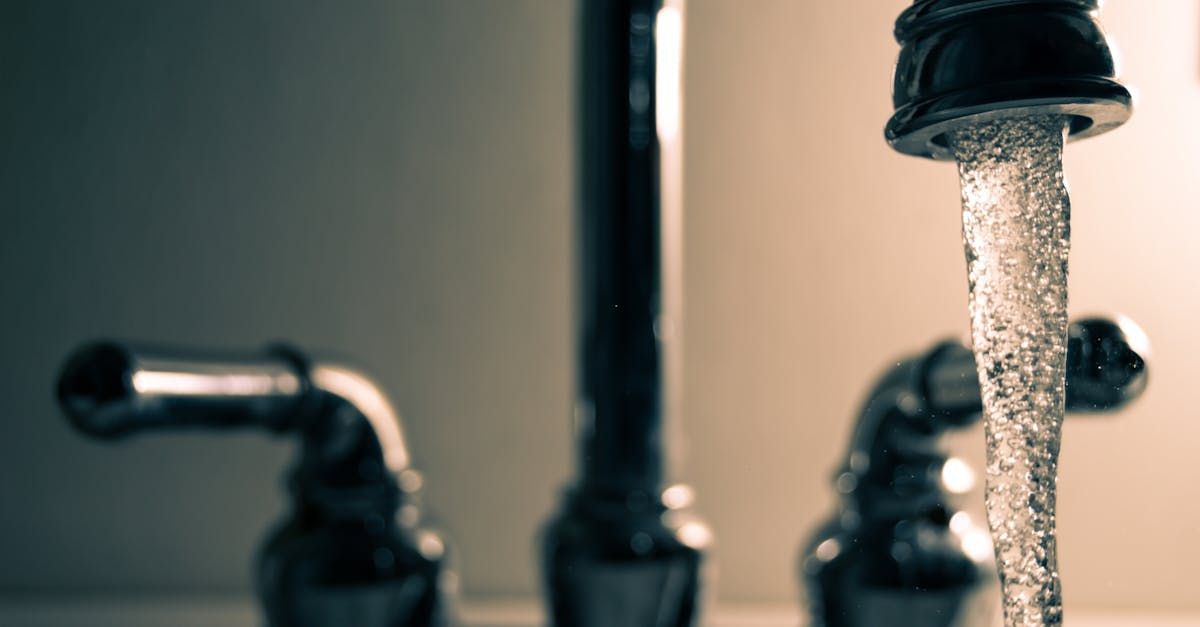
(969, 61)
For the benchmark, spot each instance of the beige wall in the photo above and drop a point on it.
(393, 180)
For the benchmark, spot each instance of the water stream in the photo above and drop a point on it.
(1016, 230)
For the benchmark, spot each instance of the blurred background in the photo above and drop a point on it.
(393, 181)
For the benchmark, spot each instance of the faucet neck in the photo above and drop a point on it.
(623, 353)
(964, 62)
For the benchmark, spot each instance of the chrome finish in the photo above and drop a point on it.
(109, 389)
(358, 391)
(624, 550)
(968, 61)
(897, 552)
(628, 241)
(353, 550)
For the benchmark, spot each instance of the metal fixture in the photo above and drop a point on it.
(623, 549)
(898, 552)
(353, 550)
(966, 61)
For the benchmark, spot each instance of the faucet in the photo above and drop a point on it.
(897, 552)
(965, 64)
(624, 549)
(353, 550)
(969, 61)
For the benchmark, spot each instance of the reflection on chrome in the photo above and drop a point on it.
(1135, 336)
(430, 544)
(695, 534)
(678, 496)
(668, 87)
(975, 541)
(978, 545)
(370, 401)
(960, 523)
(668, 326)
(828, 549)
(957, 476)
(160, 383)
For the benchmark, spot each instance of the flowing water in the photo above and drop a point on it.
(1016, 229)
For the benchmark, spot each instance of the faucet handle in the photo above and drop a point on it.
(1106, 368)
(1106, 363)
(354, 544)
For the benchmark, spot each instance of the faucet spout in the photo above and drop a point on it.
(968, 61)
(111, 390)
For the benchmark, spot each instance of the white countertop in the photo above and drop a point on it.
(243, 613)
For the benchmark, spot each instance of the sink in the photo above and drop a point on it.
(241, 612)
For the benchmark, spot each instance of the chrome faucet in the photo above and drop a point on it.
(353, 551)
(898, 552)
(624, 550)
(966, 61)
